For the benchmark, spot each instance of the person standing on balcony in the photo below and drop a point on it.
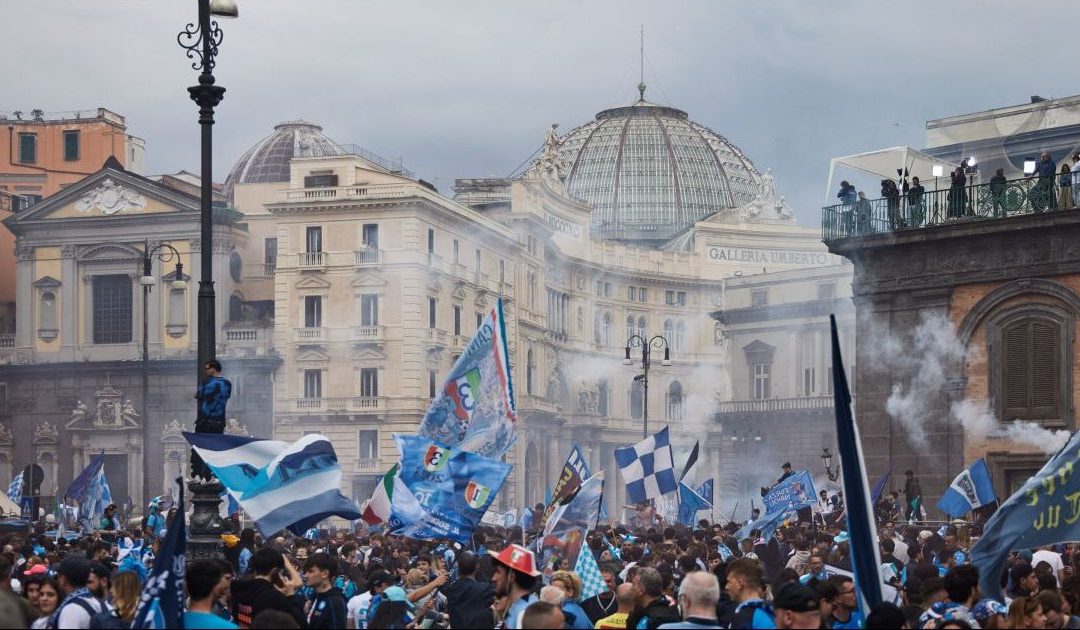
(1042, 193)
(847, 198)
(892, 202)
(913, 495)
(916, 209)
(997, 193)
(1065, 187)
(846, 194)
(957, 194)
(1075, 170)
(863, 213)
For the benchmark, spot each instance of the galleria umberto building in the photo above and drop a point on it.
(347, 288)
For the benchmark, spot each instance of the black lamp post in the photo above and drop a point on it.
(201, 42)
(165, 253)
(636, 341)
(826, 457)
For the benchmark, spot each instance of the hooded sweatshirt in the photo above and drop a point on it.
(799, 561)
(328, 610)
(251, 596)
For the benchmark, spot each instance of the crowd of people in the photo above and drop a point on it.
(655, 576)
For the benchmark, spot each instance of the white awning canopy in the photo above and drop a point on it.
(884, 163)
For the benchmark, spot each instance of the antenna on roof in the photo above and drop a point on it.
(641, 70)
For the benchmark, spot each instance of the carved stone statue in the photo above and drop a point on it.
(128, 412)
(110, 198)
(548, 165)
(78, 414)
(767, 188)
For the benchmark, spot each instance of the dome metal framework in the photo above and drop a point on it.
(649, 172)
(268, 160)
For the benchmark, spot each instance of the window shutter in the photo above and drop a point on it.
(1017, 372)
(1044, 371)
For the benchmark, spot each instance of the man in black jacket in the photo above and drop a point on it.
(327, 607)
(469, 601)
(652, 606)
(272, 586)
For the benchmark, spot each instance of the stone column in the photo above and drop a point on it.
(24, 304)
(69, 303)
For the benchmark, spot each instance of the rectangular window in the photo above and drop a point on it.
(502, 271)
(642, 294)
(312, 383)
(669, 298)
(369, 236)
(431, 240)
(28, 148)
(457, 252)
(809, 381)
(369, 382)
(759, 297)
(369, 444)
(607, 289)
(760, 376)
(478, 261)
(71, 146)
(431, 312)
(369, 309)
(828, 383)
(457, 319)
(313, 311)
(314, 239)
(826, 291)
(431, 381)
(680, 298)
(112, 309)
(270, 252)
(631, 293)
(479, 320)
(321, 179)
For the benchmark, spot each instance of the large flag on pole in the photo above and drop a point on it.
(971, 490)
(162, 602)
(690, 503)
(14, 491)
(574, 472)
(91, 489)
(1044, 511)
(689, 466)
(566, 529)
(865, 558)
(647, 468)
(441, 492)
(279, 485)
(706, 490)
(880, 485)
(475, 411)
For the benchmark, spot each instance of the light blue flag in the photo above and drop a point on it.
(14, 491)
(690, 503)
(647, 468)
(474, 411)
(279, 485)
(1044, 511)
(98, 497)
(794, 493)
(445, 491)
(592, 582)
(81, 484)
(971, 490)
(706, 490)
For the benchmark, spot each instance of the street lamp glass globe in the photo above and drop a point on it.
(147, 281)
(224, 8)
(179, 284)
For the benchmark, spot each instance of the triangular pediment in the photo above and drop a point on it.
(109, 193)
(312, 355)
(366, 280)
(48, 282)
(369, 354)
(312, 282)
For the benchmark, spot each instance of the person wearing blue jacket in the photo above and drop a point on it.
(213, 396)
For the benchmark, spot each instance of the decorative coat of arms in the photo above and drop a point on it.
(110, 198)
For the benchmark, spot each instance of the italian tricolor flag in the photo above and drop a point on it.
(377, 509)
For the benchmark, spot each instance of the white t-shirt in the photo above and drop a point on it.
(900, 550)
(75, 616)
(1049, 557)
(358, 609)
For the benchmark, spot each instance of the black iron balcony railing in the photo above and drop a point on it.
(992, 200)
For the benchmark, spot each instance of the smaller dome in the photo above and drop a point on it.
(268, 161)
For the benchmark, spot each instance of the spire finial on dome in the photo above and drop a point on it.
(641, 68)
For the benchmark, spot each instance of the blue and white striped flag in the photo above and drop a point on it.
(14, 490)
(279, 485)
(91, 489)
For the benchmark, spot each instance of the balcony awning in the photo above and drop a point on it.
(883, 163)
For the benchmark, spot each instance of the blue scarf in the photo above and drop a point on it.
(54, 620)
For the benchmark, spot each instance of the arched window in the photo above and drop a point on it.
(669, 331)
(530, 370)
(637, 400)
(606, 329)
(596, 327)
(674, 405)
(630, 326)
(1031, 358)
(680, 335)
(641, 327)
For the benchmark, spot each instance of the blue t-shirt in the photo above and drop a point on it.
(206, 620)
(853, 622)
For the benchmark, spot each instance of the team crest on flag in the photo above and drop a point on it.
(435, 459)
(476, 495)
(460, 391)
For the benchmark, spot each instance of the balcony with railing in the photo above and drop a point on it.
(312, 260)
(950, 206)
(269, 269)
(367, 464)
(436, 336)
(337, 404)
(800, 403)
(355, 192)
(310, 335)
(7, 341)
(246, 339)
(367, 257)
(367, 334)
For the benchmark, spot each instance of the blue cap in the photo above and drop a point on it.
(987, 608)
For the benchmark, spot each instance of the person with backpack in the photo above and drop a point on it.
(79, 605)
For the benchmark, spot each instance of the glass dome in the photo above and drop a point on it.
(650, 173)
(268, 160)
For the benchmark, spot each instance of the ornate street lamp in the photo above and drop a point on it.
(636, 341)
(201, 42)
(826, 457)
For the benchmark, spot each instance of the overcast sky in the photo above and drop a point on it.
(468, 88)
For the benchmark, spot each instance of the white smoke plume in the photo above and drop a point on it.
(920, 369)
